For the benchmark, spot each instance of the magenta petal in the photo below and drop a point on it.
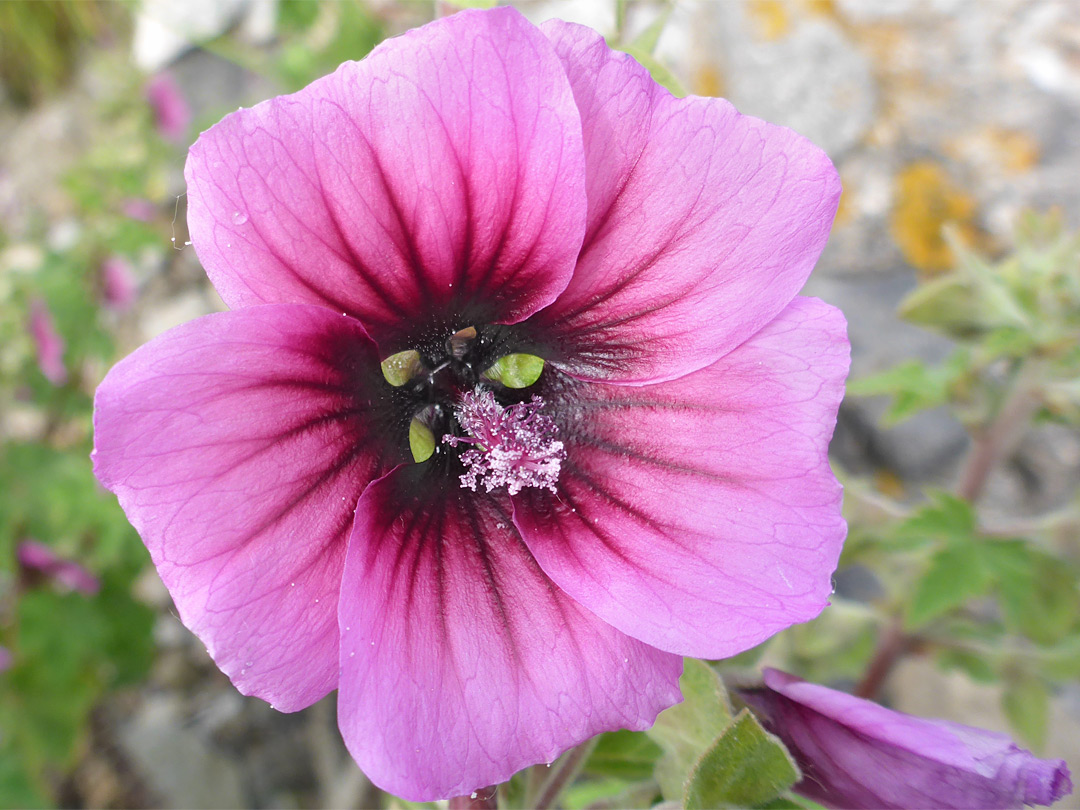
(703, 223)
(239, 444)
(461, 662)
(857, 754)
(700, 515)
(444, 167)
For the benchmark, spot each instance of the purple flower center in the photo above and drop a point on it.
(466, 392)
(514, 447)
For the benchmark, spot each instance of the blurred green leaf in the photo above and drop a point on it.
(963, 304)
(647, 40)
(1026, 702)
(955, 575)
(1038, 592)
(745, 767)
(945, 518)
(685, 730)
(974, 665)
(914, 386)
(628, 755)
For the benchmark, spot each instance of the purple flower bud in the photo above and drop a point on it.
(38, 559)
(50, 346)
(857, 754)
(172, 116)
(117, 284)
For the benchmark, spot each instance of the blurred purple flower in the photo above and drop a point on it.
(38, 559)
(473, 190)
(857, 754)
(172, 117)
(117, 284)
(49, 344)
(6, 659)
(138, 208)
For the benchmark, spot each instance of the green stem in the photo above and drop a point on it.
(991, 444)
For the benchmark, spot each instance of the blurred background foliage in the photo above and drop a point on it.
(94, 260)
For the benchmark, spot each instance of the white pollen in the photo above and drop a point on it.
(515, 447)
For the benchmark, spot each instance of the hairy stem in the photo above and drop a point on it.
(997, 440)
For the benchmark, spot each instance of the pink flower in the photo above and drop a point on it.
(117, 284)
(40, 560)
(476, 189)
(856, 754)
(49, 344)
(139, 209)
(172, 116)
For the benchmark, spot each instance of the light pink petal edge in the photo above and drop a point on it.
(238, 445)
(700, 515)
(442, 176)
(703, 223)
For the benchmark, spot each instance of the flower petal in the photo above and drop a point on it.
(857, 754)
(461, 662)
(703, 223)
(239, 444)
(700, 515)
(442, 174)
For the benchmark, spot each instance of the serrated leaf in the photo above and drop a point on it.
(963, 304)
(685, 730)
(1026, 702)
(745, 767)
(914, 387)
(955, 575)
(945, 517)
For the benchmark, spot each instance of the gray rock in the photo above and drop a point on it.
(812, 78)
(178, 764)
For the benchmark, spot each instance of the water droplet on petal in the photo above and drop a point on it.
(239, 218)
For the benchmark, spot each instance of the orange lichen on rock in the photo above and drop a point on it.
(708, 81)
(925, 200)
(1009, 151)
